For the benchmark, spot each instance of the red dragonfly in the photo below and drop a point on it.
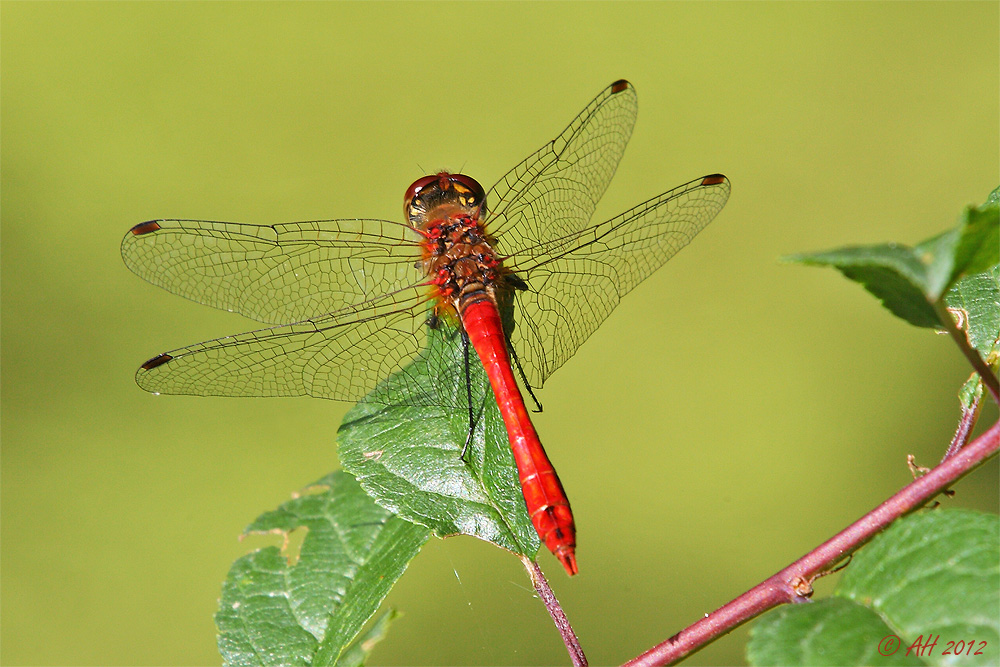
(359, 292)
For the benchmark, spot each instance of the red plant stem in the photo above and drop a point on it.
(569, 637)
(965, 425)
(794, 583)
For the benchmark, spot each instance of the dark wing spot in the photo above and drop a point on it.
(145, 228)
(158, 360)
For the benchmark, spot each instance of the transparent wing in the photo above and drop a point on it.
(277, 273)
(351, 288)
(574, 282)
(553, 193)
(342, 356)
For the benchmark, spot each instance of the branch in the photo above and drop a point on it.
(970, 413)
(556, 612)
(794, 583)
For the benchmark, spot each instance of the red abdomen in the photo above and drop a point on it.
(547, 504)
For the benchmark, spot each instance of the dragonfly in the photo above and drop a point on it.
(351, 302)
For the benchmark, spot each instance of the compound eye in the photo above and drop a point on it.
(471, 185)
(416, 187)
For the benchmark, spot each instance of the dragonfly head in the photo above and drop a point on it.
(458, 192)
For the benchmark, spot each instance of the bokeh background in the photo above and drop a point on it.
(731, 414)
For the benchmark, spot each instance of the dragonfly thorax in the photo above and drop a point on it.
(459, 260)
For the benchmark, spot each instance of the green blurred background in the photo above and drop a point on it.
(733, 412)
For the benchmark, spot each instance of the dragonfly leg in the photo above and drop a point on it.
(527, 385)
(516, 281)
(468, 391)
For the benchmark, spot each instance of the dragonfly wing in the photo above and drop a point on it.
(554, 192)
(341, 356)
(274, 273)
(575, 282)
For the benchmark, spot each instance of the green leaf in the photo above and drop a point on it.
(891, 272)
(911, 281)
(935, 574)
(977, 298)
(834, 632)
(273, 612)
(409, 459)
(938, 255)
(971, 247)
(979, 247)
